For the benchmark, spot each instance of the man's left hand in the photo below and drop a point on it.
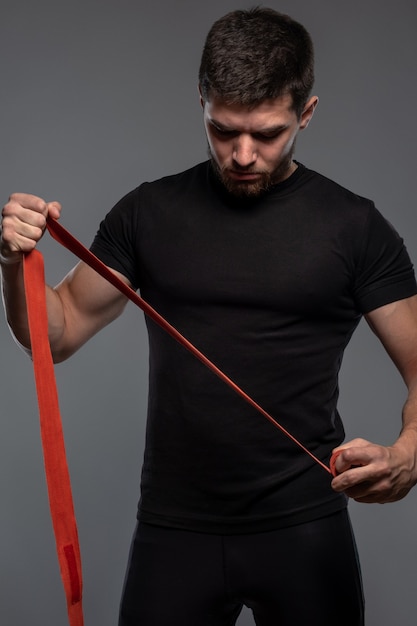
(368, 472)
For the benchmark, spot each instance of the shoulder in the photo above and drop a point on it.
(331, 191)
(147, 193)
(194, 176)
(327, 205)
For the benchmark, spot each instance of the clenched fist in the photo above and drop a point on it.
(23, 224)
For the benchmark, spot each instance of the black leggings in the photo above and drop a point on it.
(306, 575)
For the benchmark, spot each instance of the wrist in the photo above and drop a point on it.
(10, 259)
(406, 447)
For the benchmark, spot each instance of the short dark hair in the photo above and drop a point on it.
(258, 54)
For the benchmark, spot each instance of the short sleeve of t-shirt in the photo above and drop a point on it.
(114, 242)
(385, 273)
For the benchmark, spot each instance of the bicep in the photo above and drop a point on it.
(89, 302)
(395, 324)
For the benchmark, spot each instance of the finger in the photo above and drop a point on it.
(358, 452)
(28, 201)
(351, 478)
(18, 201)
(22, 240)
(341, 462)
(21, 229)
(54, 209)
(353, 443)
(16, 218)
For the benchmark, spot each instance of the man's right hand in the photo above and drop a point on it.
(78, 307)
(23, 224)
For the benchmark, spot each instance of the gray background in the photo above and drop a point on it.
(96, 97)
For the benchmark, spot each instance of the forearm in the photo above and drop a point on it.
(407, 440)
(15, 306)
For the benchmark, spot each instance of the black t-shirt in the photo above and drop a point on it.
(271, 291)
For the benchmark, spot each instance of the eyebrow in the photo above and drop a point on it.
(270, 130)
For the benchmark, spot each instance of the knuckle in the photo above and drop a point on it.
(7, 209)
(361, 442)
(6, 228)
(349, 454)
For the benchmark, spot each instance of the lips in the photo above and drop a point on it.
(249, 176)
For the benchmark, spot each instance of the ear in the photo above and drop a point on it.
(308, 112)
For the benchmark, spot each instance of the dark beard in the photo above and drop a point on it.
(248, 189)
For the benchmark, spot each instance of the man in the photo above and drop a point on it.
(267, 267)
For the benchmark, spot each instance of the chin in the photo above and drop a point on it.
(246, 190)
(242, 189)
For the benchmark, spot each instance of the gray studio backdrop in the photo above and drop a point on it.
(97, 97)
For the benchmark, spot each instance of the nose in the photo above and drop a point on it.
(244, 151)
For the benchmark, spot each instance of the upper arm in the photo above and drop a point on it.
(395, 324)
(88, 303)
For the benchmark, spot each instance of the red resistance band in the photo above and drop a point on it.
(56, 469)
(57, 475)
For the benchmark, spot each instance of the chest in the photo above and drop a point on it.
(295, 261)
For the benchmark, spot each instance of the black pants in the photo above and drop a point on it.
(306, 575)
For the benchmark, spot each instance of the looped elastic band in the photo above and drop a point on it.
(56, 469)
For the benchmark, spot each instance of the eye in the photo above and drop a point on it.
(223, 132)
(267, 137)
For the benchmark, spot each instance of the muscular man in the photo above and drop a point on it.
(267, 267)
